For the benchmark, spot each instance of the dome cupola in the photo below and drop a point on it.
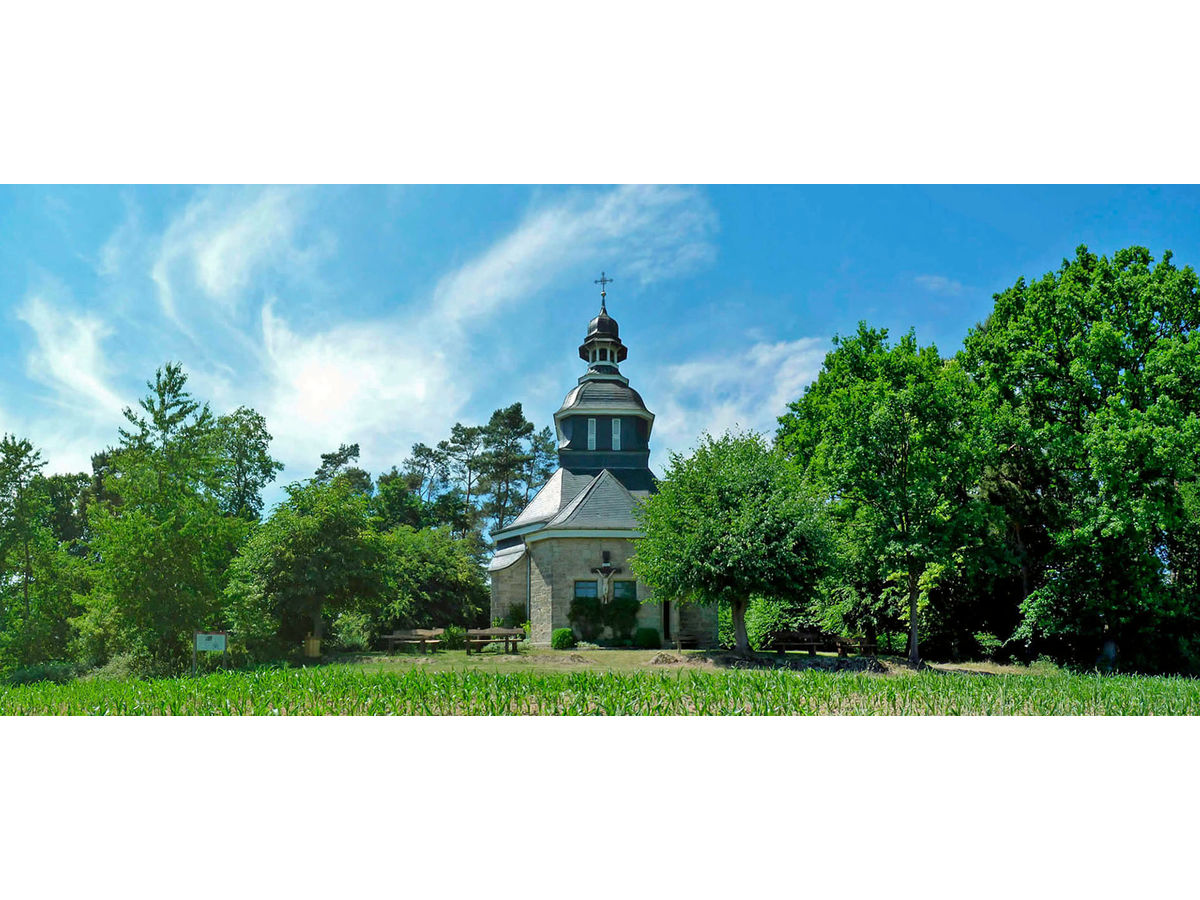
(602, 349)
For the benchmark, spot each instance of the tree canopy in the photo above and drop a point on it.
(728, 523)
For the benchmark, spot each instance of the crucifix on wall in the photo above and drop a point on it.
(606, 571)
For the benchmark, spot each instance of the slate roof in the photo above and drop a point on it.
(556, 493)
(602, 394)
(506, 557)
(602, 504)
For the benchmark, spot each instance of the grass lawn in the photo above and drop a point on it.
(615, 682)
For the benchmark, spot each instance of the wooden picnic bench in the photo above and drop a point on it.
(481, 637)
(421, 637)
(814, 641)
(845, 645)
(798, 640)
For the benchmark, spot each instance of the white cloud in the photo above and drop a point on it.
(747, 389)
(222, 239)
(385, 381)
(940, 284)
(374, 383)
(656, 233)
(68, 357)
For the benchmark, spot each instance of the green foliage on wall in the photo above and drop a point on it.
(589, 616)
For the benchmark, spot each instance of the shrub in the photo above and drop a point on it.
(527, 627)
(647, 639)
(562, 639)
(57, 672)
(989, 644)
(352, 631)
(454, 638)
(515, 616)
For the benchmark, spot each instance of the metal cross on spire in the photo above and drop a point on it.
(603, 281)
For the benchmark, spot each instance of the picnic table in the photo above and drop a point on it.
(798, 640)
(481, 637)
(814, 641)
(421, 637)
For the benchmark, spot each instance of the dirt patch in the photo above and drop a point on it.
(665, 659)
(576, 658)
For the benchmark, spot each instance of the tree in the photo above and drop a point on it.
(161, 552)
(247, 466)
(884, 436)
(20, 466)
(1093, 374)
(431, 581)
(543, 458)
(315, 556)
(463, 453)
(426, 471)
(505, 461)
(392, 504)
(729, 523)
(334, 462)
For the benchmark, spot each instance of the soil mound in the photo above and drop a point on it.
(664, 659)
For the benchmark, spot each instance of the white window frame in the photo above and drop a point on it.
(616, 433)
(591, 434)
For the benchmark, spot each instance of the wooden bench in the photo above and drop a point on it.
(850, 645)
(421, 637)
(814, 641)
(481, 637)
(799, 640)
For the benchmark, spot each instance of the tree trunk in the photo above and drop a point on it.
(318, 620)
(28, 576)
(742, 643)
(914, 653)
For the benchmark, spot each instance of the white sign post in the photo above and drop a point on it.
(209, 642)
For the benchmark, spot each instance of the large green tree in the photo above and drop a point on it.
(315, 556)
(1093, 375)
(161, 550)
(728, 523)
(885, 435)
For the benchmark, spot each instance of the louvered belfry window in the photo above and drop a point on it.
(616, 434)
(591, 434)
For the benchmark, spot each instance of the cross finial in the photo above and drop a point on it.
(603, 281)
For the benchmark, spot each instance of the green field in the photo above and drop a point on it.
(608, 684)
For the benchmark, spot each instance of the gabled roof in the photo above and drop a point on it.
(556, 493)
(605, 503)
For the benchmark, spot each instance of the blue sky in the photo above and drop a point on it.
(384, 315)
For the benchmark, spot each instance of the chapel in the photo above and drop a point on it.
(574, 540)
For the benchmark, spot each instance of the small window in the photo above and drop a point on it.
(586, 590)
(624, 590)
(591, 434)
(616, 434)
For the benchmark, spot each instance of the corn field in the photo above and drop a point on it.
(345, 691)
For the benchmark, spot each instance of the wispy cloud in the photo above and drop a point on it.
(68, 356)
(222, 239)
(226, 286)
(747, 389)
(940, 284)
(657, 233)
